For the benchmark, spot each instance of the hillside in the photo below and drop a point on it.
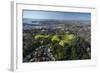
(56, 41)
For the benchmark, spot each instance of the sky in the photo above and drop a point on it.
(32, 14)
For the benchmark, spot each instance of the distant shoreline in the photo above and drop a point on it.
(51, 21)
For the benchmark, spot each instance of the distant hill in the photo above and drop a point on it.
(45, 23)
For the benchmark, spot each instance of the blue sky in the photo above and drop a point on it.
(56, 15)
